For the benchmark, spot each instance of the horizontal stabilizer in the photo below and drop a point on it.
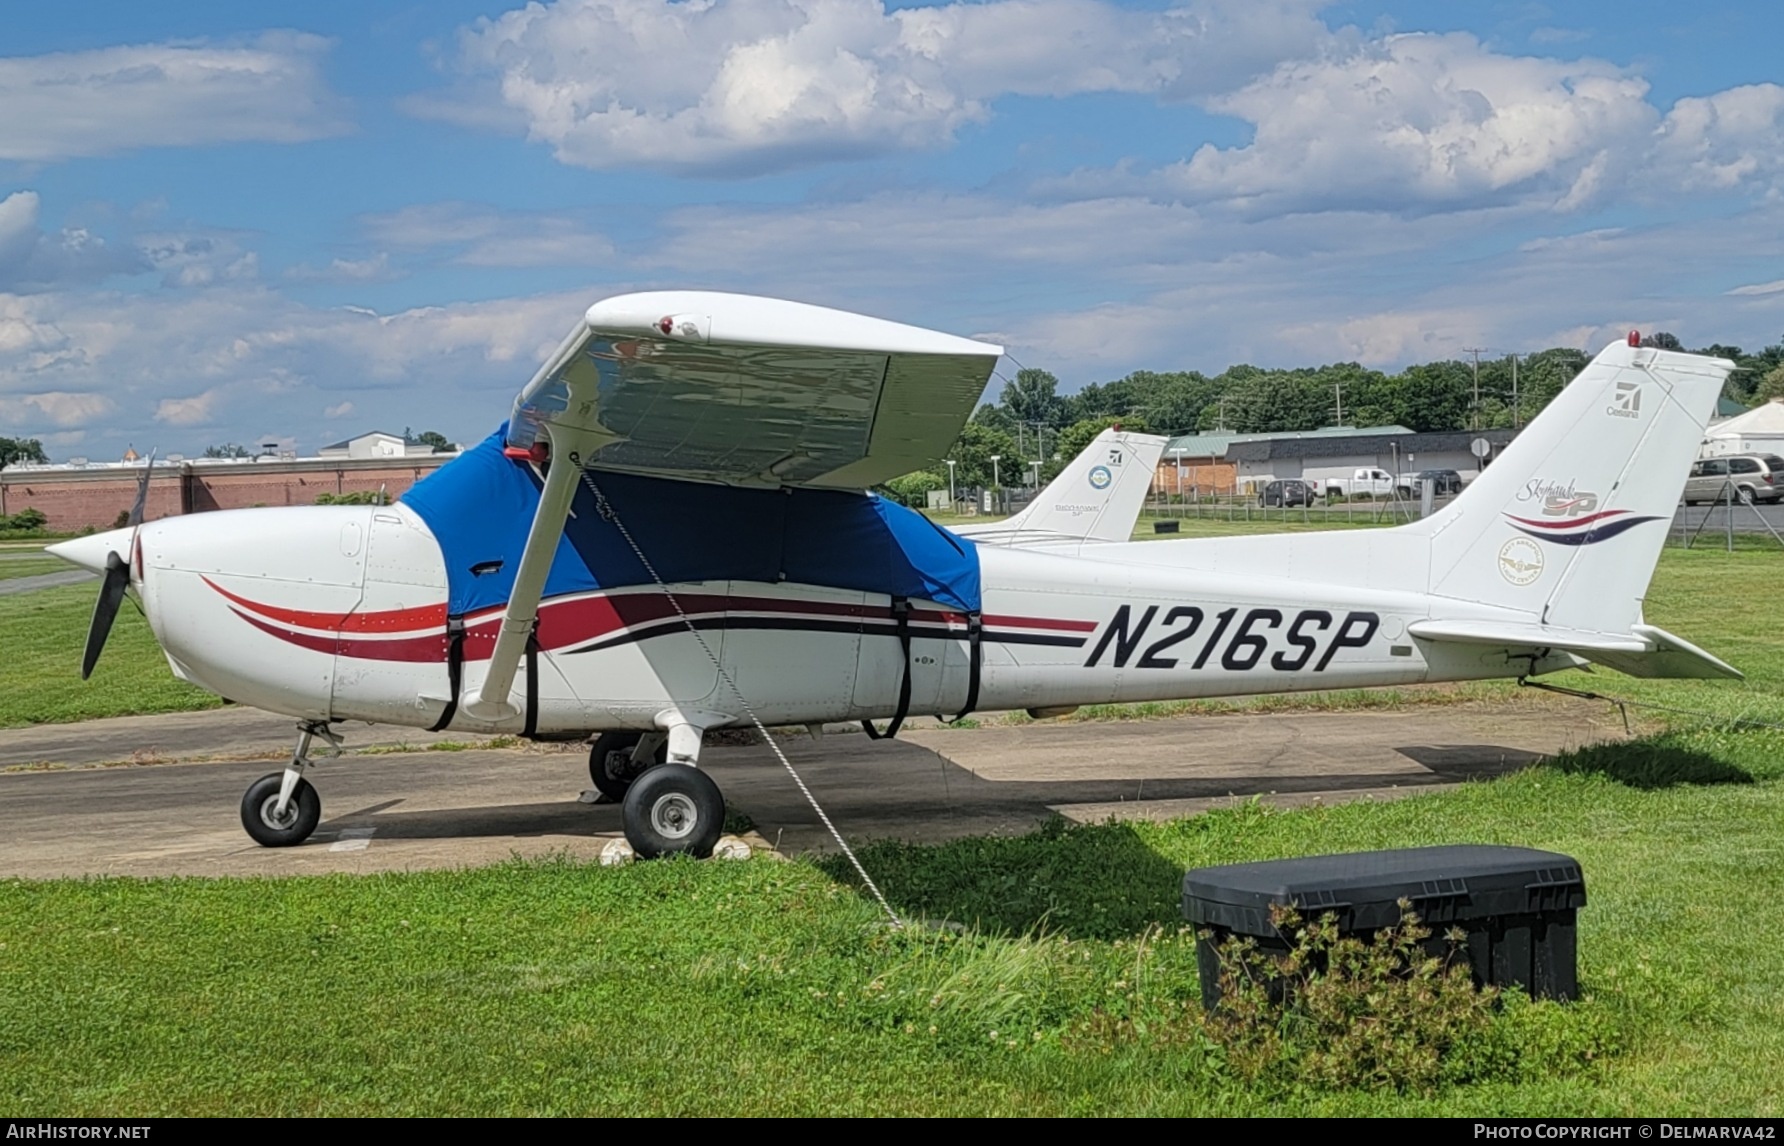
(1646, 652)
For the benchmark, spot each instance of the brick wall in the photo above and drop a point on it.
(76, 499)
(1203, 475)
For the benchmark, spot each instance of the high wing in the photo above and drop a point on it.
(730, 388)
(1098, 497)
(745, 390)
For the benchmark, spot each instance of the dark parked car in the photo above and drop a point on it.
(1444, 482)
(1286, 492)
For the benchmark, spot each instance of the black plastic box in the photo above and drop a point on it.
(1516, 904)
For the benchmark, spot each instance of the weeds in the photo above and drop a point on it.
(1394, 1011)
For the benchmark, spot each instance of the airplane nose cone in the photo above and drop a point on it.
(90, 552)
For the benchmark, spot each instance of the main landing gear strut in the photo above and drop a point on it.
(281, 809)
(668, 807)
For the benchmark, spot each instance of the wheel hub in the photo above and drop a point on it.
(269, 809)
(674, 816)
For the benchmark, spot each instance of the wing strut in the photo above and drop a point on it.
(492, 701)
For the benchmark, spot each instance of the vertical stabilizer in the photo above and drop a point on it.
(1098, 497)
(1568, 522)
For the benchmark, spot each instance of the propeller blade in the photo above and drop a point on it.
(105, 610)
(142, 490)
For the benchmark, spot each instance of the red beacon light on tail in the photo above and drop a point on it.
(1635, 338)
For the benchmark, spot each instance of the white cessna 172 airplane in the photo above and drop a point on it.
(670, 535)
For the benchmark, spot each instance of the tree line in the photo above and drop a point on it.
(1031, 421)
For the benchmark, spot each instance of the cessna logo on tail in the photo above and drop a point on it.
(1627, 402)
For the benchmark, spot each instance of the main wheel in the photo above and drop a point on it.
(302, 813)
(610, 765)
(674, 810)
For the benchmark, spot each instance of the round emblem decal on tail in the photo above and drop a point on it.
(1520, 561)
(1100, 477)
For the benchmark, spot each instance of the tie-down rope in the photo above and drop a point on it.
(607, 512)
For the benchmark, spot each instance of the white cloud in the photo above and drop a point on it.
(194, 411)
(338, 410)
(1724, 140)
(475, 235)
(235, 359)
(30, 259)
(377, 268)
(1774, 287)
(199, 258)
(56, 408)
(738, 86)
(1423, 122)
(158, 95)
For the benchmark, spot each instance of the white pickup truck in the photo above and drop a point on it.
(1372, 482)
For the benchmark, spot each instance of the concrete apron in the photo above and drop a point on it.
(433, 809)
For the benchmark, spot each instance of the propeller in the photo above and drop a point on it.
(116, 577)
(105, 610)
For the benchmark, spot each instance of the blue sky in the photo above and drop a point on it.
(223, 222)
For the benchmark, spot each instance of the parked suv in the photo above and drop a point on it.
(1286, 492)
(1756, 477)
(1443, 482)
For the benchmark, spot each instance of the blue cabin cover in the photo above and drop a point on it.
(480, 508)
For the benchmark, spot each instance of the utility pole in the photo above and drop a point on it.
(1220, 416)
(1338, 399)
(1514, 391)
(1474, 414)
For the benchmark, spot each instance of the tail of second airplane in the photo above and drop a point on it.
(1098, 497)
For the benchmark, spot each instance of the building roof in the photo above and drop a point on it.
(370, 434)
(1378, 440)
(1764, 419)
(1216, 445)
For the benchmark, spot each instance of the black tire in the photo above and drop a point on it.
(612, 776)
(302, 814)
(674, 810)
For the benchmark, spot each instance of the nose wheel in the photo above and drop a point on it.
(273, 828)
(281, 809)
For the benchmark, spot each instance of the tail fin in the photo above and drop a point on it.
(1098, 497)
(1568, 522)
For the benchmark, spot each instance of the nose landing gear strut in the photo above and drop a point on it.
(281, 809)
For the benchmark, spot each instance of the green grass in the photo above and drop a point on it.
(43, 634)
(774, 988)
(27, 564)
